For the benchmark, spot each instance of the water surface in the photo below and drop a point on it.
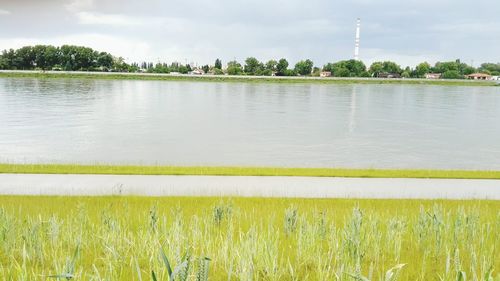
(299, 125)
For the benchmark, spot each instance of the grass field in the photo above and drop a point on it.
(122, 238)
(243, 171)
(246, 79)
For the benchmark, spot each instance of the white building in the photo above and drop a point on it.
(197, 71)
(433, 76)
(325, 74)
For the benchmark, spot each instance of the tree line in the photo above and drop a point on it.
(66, 57)
(73, 58)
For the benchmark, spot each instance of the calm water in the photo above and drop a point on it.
(185, 123)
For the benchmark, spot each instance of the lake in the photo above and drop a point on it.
(249, 124)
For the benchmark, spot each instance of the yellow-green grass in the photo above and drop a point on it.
(248, 238)
(245, 79)
(243, 171)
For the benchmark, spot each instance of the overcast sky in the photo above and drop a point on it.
(199, 31)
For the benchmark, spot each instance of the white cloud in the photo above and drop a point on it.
(407, 32)
(79, 5)
(115, 19)
(118, 20)
(4, 12)
(467, 27)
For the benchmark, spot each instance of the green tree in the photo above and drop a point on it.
(466, 70)
(67, 59)
(105, 61)
(281, 67)
(492, 68)
(46, 57)
(160, 68)
(234, 68)
(25, 58)
(3, 63)
(85, 58)
(218, 64)
(304, 67)
(68, 56)
(422, 68)
(452, 74)
(384, 67)
(206, 68)
(118, 64)
(316, 71)
(442, 67)
(271, 65)
(346, 68)
(174, 67)
(253, 66)
(391, 67)
(328, 67)
(134, 67)
(376, 68)
(9, 59)
(341, 72)
(184, 69)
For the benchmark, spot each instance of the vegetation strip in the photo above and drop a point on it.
(79, 58)
(131, 238)
(244, 171)
(240, 79)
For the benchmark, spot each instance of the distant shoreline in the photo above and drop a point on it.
(237, 78)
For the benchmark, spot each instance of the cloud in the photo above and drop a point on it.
(89, 18)
(474, 27)
(79, 5)
(4, 12)
(201, 30)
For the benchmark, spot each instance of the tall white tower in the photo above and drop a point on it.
(356, 42)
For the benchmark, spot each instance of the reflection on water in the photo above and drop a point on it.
(185, 123)
(352, 119)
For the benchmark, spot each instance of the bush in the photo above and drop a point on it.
(452, 74)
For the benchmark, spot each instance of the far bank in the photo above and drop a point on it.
(236, 78)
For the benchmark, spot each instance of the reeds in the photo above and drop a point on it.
(181, 239)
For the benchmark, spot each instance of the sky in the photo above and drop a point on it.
(199, 31)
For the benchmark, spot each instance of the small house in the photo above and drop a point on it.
(197, 71)
(325, 74)
(389, 75)
(479, 76)
(433, 76)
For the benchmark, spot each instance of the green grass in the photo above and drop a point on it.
(246, 79)
(115, 238)
(243, 171)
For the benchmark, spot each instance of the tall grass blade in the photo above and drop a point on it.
(165, 261)
(392, 274)
(139, 274)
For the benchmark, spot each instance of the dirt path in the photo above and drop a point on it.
(306, 187)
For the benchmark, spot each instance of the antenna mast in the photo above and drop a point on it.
(356, 43)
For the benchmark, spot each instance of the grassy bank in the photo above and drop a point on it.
(243, 171)
(122, 238)
(246, 79)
